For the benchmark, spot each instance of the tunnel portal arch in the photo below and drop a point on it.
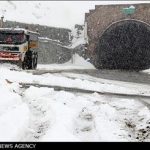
(125, 44)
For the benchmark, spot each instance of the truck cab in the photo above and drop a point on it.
(20, 46)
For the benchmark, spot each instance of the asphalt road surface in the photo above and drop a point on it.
(126, 76)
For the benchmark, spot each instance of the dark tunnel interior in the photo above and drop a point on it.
(124, 45)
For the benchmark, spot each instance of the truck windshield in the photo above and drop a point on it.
(12, 38)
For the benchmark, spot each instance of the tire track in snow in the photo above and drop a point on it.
(81, 90)
(84, 125)
(39, 121)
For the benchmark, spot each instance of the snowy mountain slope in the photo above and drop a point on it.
(77, 35)
(24, 11)
(52, 13)
(37, 12)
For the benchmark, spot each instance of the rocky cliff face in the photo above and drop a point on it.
(50, 52)
(78, 41)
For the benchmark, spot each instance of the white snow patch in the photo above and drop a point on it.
(13, 122)
(80, 61)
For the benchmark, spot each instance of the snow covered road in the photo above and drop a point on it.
(43, 114)
(47, 115)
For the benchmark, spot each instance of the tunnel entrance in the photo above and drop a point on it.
(124, 45)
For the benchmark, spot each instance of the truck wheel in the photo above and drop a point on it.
(34, 60)
(27, 63)
(30, 60)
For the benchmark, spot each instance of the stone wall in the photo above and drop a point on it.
(117, 40)
(103, 16)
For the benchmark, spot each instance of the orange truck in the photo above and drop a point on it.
(18, 45)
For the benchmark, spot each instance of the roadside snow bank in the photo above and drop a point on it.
(13, 112)
(41, 114)
(13, 123)
(85, 117)
(8, 98)
(99, 85)
(80, 61)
